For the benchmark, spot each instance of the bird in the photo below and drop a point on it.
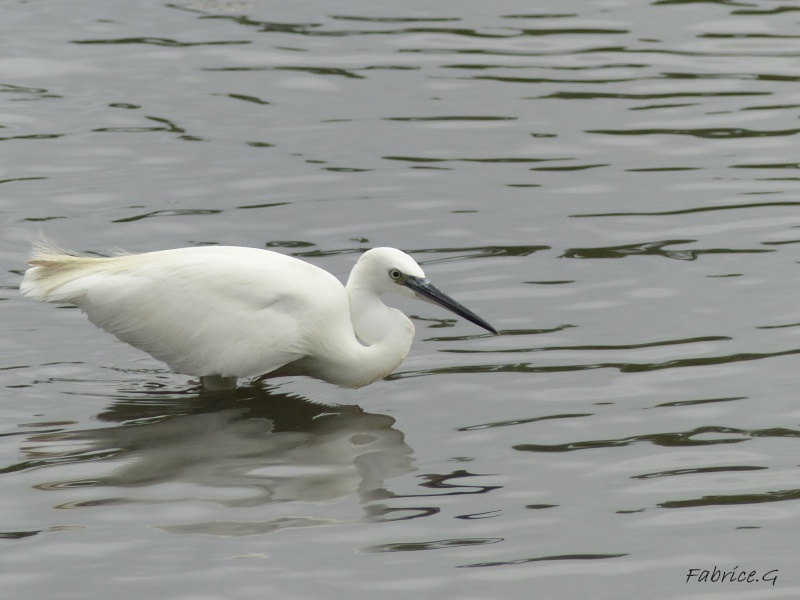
(222, 313)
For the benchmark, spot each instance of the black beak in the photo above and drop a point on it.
(425, 290)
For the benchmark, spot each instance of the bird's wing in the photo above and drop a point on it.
(205, 313)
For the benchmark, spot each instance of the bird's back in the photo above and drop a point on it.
(213, 310)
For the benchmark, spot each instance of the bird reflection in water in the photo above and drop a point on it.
(245, 448)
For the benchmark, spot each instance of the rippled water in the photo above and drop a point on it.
(612, 184)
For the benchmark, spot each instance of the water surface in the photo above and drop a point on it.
(611, 184)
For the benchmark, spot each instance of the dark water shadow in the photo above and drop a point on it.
(246, 448)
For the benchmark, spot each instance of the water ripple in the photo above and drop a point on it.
(622, 367)
(734, 499)
(433, 545)
(698, 209)
(709, 132)
(722, 435)
(158, 42)
(558, 557)
(656, 249)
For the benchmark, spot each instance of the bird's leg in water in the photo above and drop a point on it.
(216, 383)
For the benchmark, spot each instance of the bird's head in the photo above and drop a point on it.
(388, 270)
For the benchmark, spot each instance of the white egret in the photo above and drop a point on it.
(224, 312)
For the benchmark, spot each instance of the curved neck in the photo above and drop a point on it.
(382, 339)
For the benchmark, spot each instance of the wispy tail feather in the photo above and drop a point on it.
(45, 251)
(52, 267)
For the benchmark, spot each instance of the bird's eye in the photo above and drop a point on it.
(395, 274)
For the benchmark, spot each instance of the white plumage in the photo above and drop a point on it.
(223, 312)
